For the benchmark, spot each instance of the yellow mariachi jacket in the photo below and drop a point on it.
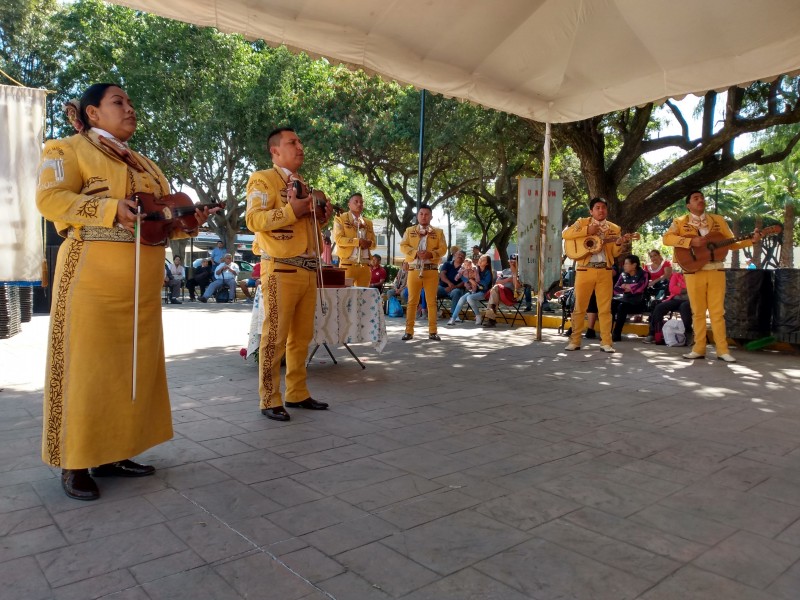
(581, 230)
(681, 232)
(345, 235)
(81, 183)
(436, 244)
(270, 217)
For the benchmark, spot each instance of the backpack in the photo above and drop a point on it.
(395, 309)
(674, 333)
(222, 294)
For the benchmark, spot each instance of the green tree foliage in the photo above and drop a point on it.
(31, 42)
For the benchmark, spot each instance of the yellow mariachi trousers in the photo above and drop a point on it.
(601, 282)
(430, 283)
(290, 300)
(359, 273)
(707, 292)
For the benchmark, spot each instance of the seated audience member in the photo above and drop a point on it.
(508, 290)
(225, 275)
(678, 299)
(173, 278)
(400, 285)
(481, 282)
(251, 282)
(659, 271)
(377, 274)
(450, 285)
(202, 276)
(631, 285)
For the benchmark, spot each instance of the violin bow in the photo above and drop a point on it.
(323, 306)
(138, 230)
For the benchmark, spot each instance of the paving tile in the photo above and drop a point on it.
(103, 555)
(694, 583)
(165, 566)
(259, 465)
(208, 537)
(349, 585)
(786, 586)
(18, 497)
(280, 435)
(286, 492)
(779, 489)
(261, 531)
(527, 509)
(32, 541)
(343, 477)
(683, 524)
(18, 476)
(426, 508)
(741, 510)
(232, 500)
(791, 535)
(318, 444)
(259, 576)
(172, 504)
(96, 587)
(227, 446)
(203, 583)
(421, 462)
(614, 553)
(99, 520)
(454, 542)
(24, 520)
(22, 579)
(749, 559)
(334, 456)
(209, 429)
(388, 570)
(466, 585)
(600, 493)
(191, 475)
(175, 452)
(312, 564)
(472, 486)
(700, 457)
(541, 569)
(378, 495)
(625, 530)
(378, 442)
(345, 536)
(315, 515)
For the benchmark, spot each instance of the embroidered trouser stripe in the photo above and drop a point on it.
(707, 293)
(289, 305)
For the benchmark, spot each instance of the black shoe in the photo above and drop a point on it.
(309, 403)
(276, 414)
(616, 338)
(528, 309)
(175, 301)
(407, 337)
(490, 323)
(590, 334)
(123, 468)
(434, 336)
(79, 485)
(203, 299)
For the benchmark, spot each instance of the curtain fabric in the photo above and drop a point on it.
(21, 128)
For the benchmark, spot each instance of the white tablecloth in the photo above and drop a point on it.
(354, 315)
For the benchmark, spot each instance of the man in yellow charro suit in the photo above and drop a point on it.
(354, 238)
(594, 272)
(706, 287)
(289, 241)
(422, 246)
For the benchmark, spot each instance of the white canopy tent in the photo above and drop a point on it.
(550, 60)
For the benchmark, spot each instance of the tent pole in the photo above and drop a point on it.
(543, 229)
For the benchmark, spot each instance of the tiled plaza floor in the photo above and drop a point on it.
(486, 466)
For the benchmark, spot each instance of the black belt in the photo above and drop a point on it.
(309, 264)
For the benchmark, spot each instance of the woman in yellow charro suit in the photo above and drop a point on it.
(354, 237)
(90, 418)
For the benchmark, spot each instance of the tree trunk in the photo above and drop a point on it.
(787, 245)
(757, 247)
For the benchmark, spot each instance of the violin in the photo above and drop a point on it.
(320, 200)
(162, 216)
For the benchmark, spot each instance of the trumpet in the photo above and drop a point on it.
(423, 246)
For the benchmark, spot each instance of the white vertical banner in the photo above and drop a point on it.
(528, 230)
(21, 128)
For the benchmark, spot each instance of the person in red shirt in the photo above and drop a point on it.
(377, 273)
(252, 282)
